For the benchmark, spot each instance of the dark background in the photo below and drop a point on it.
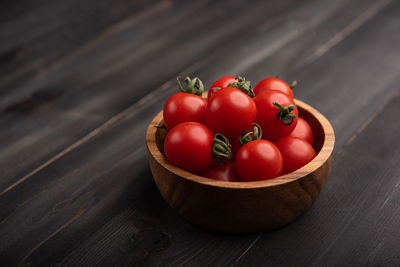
(80, 81)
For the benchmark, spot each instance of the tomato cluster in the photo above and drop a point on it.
(237, 133)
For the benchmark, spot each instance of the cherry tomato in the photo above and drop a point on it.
(272, 83)
(303, 130)
(187, 105)
(295, 152)
(189, 146)
(183, 107)
(258, 160)
(219, 84)
(230, 112)
(276, 114)
(222, 172)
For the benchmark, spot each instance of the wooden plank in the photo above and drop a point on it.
(37, 33)
(77, 203)
(354, 222)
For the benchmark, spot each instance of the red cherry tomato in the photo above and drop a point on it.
(258, 160)
(183, 107)
(303, 130)
(230, 112)
(219, 84)
(222, 172)
(187, 105)
(273, 127)
(272, 83)
(189, 146)
(295, 152)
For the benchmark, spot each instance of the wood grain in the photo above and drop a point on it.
(40, 32)
(96, 204)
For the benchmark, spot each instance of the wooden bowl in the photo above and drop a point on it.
(240, 207)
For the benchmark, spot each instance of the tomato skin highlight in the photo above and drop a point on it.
(272, 127)
(272, 83)
(222, 172)
(295, 152)
(220, 83)
(230, 112)
(184, 107)
(189, 146)
(258, 160)
(303, 130)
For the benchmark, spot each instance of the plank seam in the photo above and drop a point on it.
(106, 125)
(118, 26)
(370, 119)
(62, 227)
(247, 250)
(347, 31)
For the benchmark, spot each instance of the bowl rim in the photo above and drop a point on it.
(322, 156)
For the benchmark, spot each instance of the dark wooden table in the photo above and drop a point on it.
(80, 81)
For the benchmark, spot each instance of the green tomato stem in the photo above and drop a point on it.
(284, 113)
(250, 135)
(243, 85)
(222, 149)
(293, 84)
(193, 86)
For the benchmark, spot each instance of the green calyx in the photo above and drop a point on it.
(284, 113)
(293, 84)
(222, 149)
(216, 89)
(193, 86)
(253, 134)
(243, 85)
